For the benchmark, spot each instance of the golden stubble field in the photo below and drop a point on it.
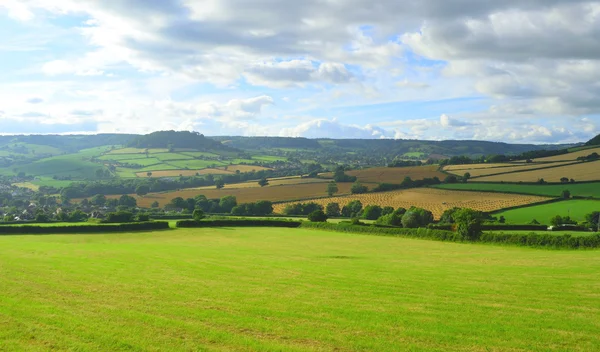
(478, 169)
(434, 200)
(394, 174)
(589, 171)
(274, 193)
(223, 170)
(570, 156)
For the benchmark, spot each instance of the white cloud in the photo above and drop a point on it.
(323, 128)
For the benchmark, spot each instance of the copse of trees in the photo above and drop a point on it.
(300, 209)
(260, 208)
(340, 176)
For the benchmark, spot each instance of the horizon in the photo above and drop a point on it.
(432, 71)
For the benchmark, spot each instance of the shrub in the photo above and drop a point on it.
(469, 223)
(317, 216)
(358, 188)
(198, 214)
(333, 210)
(143, 217)
(82, 229)
(119, 217)
(238, 223)
(372, 212)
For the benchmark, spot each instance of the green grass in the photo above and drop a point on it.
(577, 209)
(119, 157)
(195, 164)
(143, 162)
(268, 158)
(576, 189)
(415, 155)
(292, 290)
(74, 165)
(200, 154)
(172, 156)
(554, 233)
(50, 182)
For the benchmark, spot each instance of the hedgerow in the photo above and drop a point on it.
(238, 223)
(82, 229)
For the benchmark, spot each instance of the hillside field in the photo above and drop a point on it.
(589, 171)
(576, 209)
(591, 189)
(479, 170)
(434, 200)
(394, 174)
(292, 290)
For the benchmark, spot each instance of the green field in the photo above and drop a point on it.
(143, 161)
(576, 209)
(292, 290)
(577, 189)
(172, 156)
(119, 157)
(195, 164)
(74, 165)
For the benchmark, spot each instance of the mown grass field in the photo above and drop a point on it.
(292, 290)
(434, 200)
(576, 209)
(555, 190)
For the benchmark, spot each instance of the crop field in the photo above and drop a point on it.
(119, 157)
(246, 195)
(200, 154)
(577, 189)
(570, 156)
(268, 289)
(576, 209)
(394, 174)
(274, 182)
(469, 167)
(434, 200)
(177, 173)
(501, 170)
(268, 158)
(138, 151)
(143, 161)
(172, 156)
(589, 171)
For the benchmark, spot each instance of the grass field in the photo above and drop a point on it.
(74, 165)
(576, 189)
(172, 156)
(196, 164)
(243, 168)
(394, 174)
(292, 290)
(177, 173)
(580, 172)
(434, 200)
(577, 209)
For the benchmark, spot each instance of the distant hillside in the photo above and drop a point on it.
(254, 143)
(594, 141)
(68, 143)
(177, 139)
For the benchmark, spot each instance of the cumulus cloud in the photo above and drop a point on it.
(323, 128)
(35, 100)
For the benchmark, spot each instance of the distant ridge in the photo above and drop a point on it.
(177, 139)
(594, 141)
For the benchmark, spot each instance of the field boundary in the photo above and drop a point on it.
(83, 229)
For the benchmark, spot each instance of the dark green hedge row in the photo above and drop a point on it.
(81, 229)
(170, 217)
(543, 240)
(529, 240)
(238, 223)
(440, 235)
(505, 227)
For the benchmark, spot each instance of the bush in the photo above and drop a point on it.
(392, 219)
(198, 214)
(317, 216)
(372, 212)
(119, 217)
(143, 217)
(358, 188)
(83, 229)
(333, 210)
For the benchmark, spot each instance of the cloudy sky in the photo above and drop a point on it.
(511, 70)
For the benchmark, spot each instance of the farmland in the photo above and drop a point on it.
(394, 174)
(273, 182)
(580, 172)
(576, 209)
(294, 290)
(247, 195)
(184, 172)
(434, 200)
(479, 170)
(570, 156)
(553, 190)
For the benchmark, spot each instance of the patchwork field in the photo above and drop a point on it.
(273, 182)
(247, 195)
(244, 168)
(394, 174)
(292, 290)
(185, 172)
(576, 209)
(580, 172)
(577, 189)
(466, 168)
(434, 200)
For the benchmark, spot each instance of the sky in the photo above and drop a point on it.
(517, 71)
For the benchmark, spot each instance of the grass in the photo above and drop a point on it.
(292, 290)
(74, 165)
(554, 233)
(576, 189)
(172, 156)
(195, 164)
(576, 209)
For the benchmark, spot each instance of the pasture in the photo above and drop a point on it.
(292, 290)
(555, 190)
(576, 209)
(589, 171)
(434, 200)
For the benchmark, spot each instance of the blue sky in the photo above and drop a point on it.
(360, 69)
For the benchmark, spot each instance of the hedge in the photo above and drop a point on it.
(528, 240)
(506, 227)
(81, 229)
(171, 217)
(238, 223)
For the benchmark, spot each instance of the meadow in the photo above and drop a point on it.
(292, 290)
(576, 209)
(432, 199)
(591, 189)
